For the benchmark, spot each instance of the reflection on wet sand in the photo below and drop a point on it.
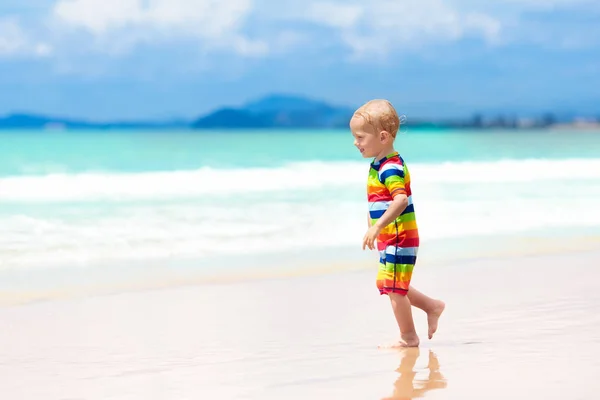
(408, 386)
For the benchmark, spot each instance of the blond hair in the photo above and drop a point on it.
(380, 114)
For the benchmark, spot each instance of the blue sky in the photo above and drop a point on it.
(127, 59)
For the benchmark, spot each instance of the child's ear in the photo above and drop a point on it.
(384, 135)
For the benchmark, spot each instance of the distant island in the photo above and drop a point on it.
(291, 112)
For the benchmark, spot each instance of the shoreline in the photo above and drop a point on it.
(32, 286)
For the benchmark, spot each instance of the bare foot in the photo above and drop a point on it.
(409, 340)
(434, 316)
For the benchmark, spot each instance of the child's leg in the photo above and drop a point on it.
(403, 313)
(433, 308)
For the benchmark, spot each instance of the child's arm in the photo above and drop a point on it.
(393, 179)
(398, 205)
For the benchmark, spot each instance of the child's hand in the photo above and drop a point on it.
(370, 236)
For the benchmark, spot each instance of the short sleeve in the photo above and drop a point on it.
(392, 176)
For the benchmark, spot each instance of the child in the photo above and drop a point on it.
(391, 219)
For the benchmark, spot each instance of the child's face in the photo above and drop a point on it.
(367, 140)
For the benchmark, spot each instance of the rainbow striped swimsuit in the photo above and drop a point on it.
(397, 243)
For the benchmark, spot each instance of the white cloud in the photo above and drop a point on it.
(12, 38)
(247, 47)
(42, 49)
(489, 27)
(377, 28)
(546, 4)
(383, 25)
(335, 14)
(131, 22)
(15, 42)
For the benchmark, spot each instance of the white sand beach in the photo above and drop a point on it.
(521, 327)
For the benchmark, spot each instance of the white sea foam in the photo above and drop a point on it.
(298, 176)
(87, 218)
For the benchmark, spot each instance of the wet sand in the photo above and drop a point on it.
(526, 327)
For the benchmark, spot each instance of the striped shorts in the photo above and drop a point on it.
(395, 269)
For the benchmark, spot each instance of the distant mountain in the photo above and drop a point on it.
(275, 111)
(286, 103)
(278, 111)
(281, 111)
(232, 118)
(37, 122)
(31, 121)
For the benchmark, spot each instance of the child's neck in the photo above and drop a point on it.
(385, 152)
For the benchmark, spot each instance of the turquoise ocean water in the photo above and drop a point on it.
(91, 200)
